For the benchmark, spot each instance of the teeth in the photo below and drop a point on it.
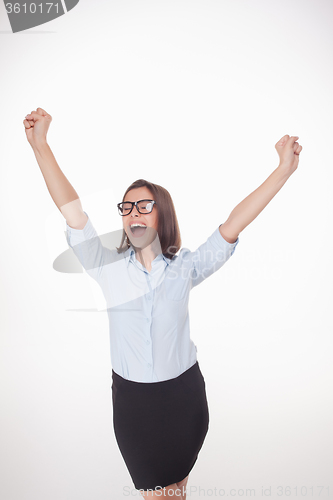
(137, 225)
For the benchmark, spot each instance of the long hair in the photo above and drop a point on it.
(167, 226)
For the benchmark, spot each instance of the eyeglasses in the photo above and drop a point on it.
(142, 206)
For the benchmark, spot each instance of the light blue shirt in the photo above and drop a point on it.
(148, 311)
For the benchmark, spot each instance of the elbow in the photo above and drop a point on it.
(228, 232)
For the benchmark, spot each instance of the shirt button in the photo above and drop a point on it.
(149, 364)
(148, 320)
(147, 341)
(149, 297)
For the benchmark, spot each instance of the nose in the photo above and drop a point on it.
(135, 212)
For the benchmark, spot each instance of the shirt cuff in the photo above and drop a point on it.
(76, 236)
(220, 242)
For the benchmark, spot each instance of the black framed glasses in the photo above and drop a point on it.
(142, 206)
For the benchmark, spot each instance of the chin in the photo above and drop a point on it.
(143, 241)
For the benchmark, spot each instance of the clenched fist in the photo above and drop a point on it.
(36, 126)
(288, 150)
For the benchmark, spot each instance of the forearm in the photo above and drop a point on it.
(248, 209)
(60, 189)
(62, 192)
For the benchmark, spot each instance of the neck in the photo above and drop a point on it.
(146, 255)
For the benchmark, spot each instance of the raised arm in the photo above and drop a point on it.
(62, 192)
(248, 209)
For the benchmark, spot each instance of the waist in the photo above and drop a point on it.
(118, 379)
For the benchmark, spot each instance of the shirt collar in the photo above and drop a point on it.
(130, 257)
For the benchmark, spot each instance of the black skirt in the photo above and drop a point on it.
(160, 427)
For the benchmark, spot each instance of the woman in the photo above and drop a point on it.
(160, 410)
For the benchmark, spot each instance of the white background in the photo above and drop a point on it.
(191, 95)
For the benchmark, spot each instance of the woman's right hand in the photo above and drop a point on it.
(36, 126)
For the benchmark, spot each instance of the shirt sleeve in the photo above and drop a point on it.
(88, 248)
(210, 257)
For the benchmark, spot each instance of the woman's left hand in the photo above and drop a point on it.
(288, 150)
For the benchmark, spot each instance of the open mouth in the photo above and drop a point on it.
(138, 230)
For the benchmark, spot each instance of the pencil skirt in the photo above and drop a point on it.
(160, 427)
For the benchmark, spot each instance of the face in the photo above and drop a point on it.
(140, 237)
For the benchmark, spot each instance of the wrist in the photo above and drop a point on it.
(284, 169)
(40, 146)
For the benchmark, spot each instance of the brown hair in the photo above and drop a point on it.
(167, 227)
